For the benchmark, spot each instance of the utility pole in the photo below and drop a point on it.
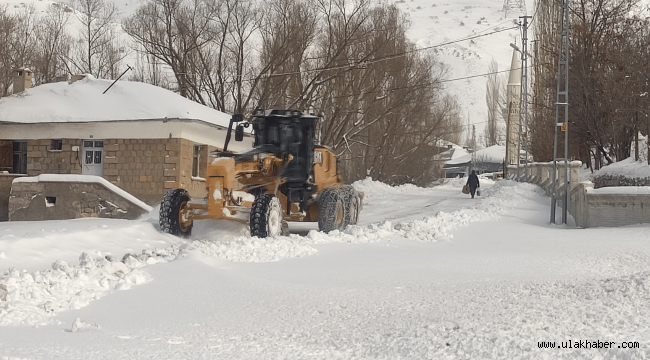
(562, 106)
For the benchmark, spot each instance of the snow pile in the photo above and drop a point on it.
(377, 189)
(354, 234)
(254, 249)
(80, 325)
(34, 298)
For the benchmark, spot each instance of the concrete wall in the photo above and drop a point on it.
(51, 200)
(588, 206)
(617, 209)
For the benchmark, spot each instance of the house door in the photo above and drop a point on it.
(93, 155)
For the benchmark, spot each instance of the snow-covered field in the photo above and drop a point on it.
(427, 274)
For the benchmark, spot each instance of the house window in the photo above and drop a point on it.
(57, 144)
(198, 170)
(20, 157)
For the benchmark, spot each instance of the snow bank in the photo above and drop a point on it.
(254, 249)
(628, 168)
(34, 298)
(372, 188)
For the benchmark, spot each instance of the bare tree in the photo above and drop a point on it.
(493, 99)
(52, 44)
(97, 51)
(605, 83)
(8, 25)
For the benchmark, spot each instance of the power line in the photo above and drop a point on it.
(390, 57)
(425, 84)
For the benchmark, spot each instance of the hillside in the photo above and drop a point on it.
(436, 22)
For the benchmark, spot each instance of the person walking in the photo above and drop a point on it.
(472, 182)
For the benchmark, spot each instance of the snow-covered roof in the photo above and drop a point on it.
(455, 152)
(492, 154)
(84, 101)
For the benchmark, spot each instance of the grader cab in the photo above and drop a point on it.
(284, 177)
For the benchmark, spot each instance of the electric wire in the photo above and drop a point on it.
(386, 58)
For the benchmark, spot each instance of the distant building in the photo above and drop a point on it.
(140, 137)
(488, 160)
(453, 152)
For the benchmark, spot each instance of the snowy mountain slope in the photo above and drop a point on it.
(436, 22)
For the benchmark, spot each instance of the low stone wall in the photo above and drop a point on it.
(60, 197)
(617, 209)
(5, 191)
(590, 207)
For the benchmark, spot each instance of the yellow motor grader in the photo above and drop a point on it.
(284, 177)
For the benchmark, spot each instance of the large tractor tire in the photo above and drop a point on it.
(331, 212)
(175, 217)
(352, 204)
(266, 216)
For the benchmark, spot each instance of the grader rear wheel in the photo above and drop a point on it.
(174, 216)
(331, 212)
(351, 203)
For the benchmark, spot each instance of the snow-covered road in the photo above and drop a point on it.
(427, 274)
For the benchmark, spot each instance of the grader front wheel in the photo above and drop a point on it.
(266, 216)
(175, 216)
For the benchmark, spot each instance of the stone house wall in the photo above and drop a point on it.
(42, 159)
(142, 167)
(146, 168)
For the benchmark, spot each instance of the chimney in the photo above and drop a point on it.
(22, 80)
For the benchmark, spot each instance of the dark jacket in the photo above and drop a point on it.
(472, 181)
